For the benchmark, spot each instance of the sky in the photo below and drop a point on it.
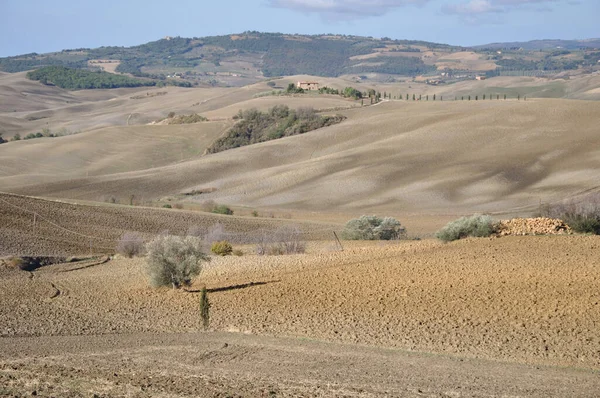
(52, 25)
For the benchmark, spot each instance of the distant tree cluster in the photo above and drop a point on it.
(185, 119)
(350, 92)
(280, 121)
(32, 61)
(77, 79)
(292, 89)
(329, 90)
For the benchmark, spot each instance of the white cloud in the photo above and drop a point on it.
(347, 8)
(473, 7)
(476, 8)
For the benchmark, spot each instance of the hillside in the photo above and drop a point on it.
(546, 44)
(241, 59)
(67, 229)
(398, 157)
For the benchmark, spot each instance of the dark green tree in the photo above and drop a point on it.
(204, 308)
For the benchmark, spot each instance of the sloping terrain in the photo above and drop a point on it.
(514, 300)
(397, 157)
(36, 227)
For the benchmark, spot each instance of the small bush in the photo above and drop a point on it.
(167, 206)
(285, 240)
(476, 225)
(222, 209)
(582, 216)
(214, 234)
(222, 248)
(33, 263)
(130, 245)
(373, 228)
(175, 261)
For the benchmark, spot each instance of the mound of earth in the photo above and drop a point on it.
(533, 226)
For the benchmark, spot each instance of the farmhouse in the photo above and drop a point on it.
(308, 86)
(479, 77)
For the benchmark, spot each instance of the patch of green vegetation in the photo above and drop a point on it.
(477, 225)
(409, 66)
(186, 119)
(31, 61)
(279, 121)
(77, 79)
(373, 228)
(222, 209)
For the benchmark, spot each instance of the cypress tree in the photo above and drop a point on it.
(204, 308)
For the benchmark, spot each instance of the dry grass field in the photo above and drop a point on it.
(513, 316)
(397, 157)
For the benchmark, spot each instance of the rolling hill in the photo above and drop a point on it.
(400, 157)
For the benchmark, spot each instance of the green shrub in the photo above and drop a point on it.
(205, 308)
(185, 119)
(222, 209)
(222, 248)
(477, 225)
(373, 228)
(167, 206)
(175, 261)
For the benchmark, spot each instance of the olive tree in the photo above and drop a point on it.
(175, 261)
(373, 228)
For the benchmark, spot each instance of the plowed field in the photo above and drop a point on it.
(523, 301)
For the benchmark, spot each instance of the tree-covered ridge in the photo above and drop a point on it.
(278, 122)
(32, 61)
(321, 55)
(77, 79)
(277, 54)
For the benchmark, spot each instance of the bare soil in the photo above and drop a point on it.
(510, 316)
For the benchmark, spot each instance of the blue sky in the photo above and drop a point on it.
(52, 25)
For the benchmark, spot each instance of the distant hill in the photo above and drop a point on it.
(546, 44)
(241, 59)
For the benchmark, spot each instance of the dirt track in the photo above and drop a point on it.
(236, 365)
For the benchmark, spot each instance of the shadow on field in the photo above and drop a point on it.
(233, 287)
